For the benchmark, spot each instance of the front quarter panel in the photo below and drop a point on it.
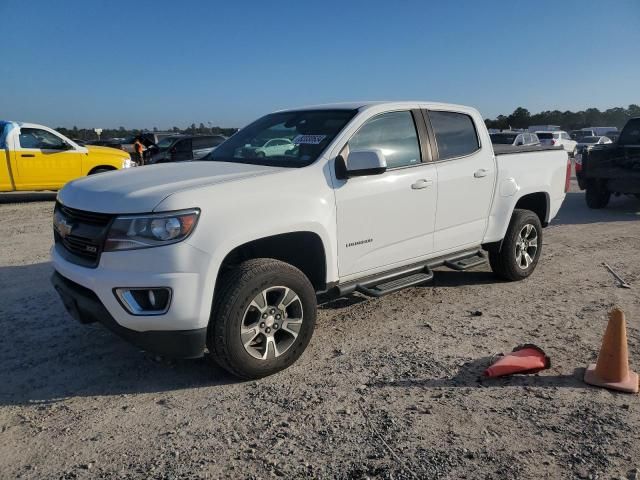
(234, 213)
(102, 158)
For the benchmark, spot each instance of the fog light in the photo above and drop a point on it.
(144, 301)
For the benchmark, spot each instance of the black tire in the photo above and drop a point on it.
(238, 287)
(597, 196)
(503, 261)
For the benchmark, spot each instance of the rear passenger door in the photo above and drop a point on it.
(466, 174)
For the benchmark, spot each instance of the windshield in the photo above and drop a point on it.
(630, 133)
(166, 142)
(589, 139)
(545, 135)
(503, 138)
(284, 139)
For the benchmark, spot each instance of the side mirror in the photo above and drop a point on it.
(361, 163)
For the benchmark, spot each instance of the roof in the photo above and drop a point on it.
(363, 105)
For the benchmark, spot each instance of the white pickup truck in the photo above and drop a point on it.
(232, 253)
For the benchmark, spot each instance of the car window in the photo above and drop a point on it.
(534, 138)
(393, 133)
(502, 138)
(204, 142)
(545, 135)
(279, 143)
(37, 138)
(166, 142)
(183, 145)
(630, 133)
(455, 133)
(4, 131)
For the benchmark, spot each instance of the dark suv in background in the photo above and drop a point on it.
(181, 148)
(611, 168)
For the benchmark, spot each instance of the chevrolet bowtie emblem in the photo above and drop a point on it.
(63, 227)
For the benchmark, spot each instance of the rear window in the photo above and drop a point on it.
(502, 138)
(455, 134)
(545, 136)
(630, 133)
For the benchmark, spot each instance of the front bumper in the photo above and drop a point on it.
(85, 306)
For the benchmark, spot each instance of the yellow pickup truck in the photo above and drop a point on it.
(34, 157)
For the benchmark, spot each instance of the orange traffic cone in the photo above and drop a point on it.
(612, 368)
(524, 359)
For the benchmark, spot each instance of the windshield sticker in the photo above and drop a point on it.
(308, 139)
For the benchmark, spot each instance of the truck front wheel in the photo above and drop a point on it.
(518, 255)
(263, 318)
(596, 195)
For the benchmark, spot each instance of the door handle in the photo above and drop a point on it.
(422, 183)
(27, 155)
(481, 173)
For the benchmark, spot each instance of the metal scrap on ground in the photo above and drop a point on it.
(622, 283)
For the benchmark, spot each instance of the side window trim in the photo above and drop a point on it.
(434, 142)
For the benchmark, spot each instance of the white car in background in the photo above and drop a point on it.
(559, 138)
(272, 148)
(595, 140)
(514, 138)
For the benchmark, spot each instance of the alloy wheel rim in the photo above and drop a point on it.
(526, 246)
(271, 323)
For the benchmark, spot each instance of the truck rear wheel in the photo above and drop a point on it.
(263, 318)
(518, 256)
(596, 195)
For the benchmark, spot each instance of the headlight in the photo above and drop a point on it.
(128, 163)
(152, 230)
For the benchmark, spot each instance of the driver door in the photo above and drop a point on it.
(387, 219)
(45, 160)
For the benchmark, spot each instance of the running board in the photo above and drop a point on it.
(465, 263)
(385, 285)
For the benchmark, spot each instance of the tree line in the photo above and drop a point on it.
(591, 117)
(121, 132)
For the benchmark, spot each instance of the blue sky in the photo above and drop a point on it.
(142, 64)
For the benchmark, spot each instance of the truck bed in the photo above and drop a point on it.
(508, 149)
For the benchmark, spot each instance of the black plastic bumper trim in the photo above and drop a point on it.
(85, 306)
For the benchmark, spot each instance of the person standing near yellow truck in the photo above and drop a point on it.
(139, 148)
(35, 157)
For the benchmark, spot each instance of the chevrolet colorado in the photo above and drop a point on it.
(232, 253)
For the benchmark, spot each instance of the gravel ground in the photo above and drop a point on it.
(389, 388)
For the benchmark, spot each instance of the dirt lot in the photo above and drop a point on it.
(389, 388)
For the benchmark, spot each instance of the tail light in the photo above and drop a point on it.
(567, 181)
(553, 142)
(578, 163)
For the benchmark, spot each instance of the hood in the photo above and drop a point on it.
(107, 151)
(141, 189)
